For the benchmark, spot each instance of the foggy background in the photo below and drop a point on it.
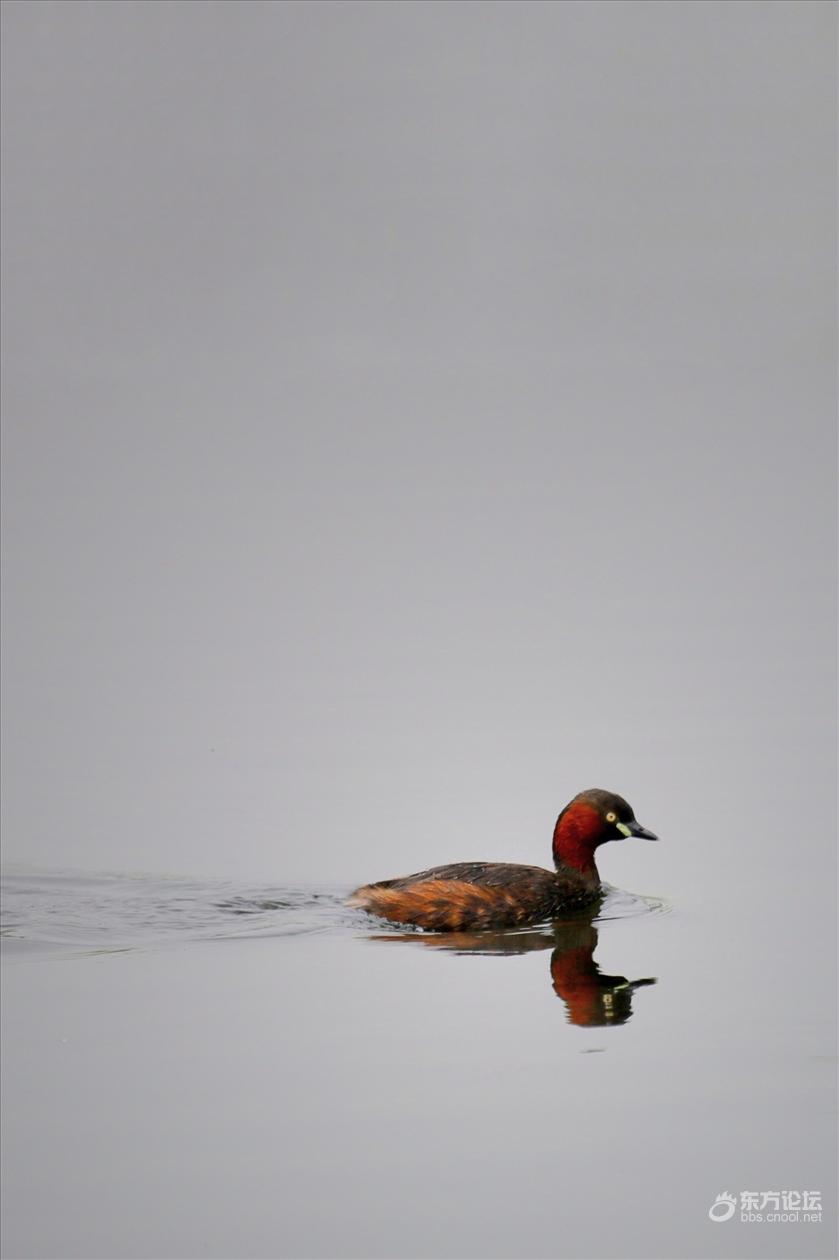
(414, 414)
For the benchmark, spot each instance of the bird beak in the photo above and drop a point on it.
(635, 829)
(642, 833)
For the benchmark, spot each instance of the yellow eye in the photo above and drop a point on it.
(611, 818)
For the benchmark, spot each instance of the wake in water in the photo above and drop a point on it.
(94, 912)
(78, 913)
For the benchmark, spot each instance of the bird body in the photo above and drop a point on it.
(501, 895)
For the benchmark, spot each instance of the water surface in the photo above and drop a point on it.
(201, 1068)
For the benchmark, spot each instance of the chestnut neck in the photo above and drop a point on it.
(578, 832)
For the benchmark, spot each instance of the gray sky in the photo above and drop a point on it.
(414, 413)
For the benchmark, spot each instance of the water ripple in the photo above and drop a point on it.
(71, 913)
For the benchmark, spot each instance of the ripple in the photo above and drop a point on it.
(86, 913)
(69, 913)
(619, 904)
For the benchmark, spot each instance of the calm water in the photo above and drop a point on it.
(208, 1069)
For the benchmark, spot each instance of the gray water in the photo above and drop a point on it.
(203, 1068)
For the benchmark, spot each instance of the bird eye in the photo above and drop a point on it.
(610, 818)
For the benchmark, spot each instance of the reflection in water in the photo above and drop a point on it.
(591, 998)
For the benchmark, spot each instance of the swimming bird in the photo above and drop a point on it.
(498, 895)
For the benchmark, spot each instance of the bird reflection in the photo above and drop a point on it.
(592, 999)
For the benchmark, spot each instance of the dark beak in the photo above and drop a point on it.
(641, 832)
